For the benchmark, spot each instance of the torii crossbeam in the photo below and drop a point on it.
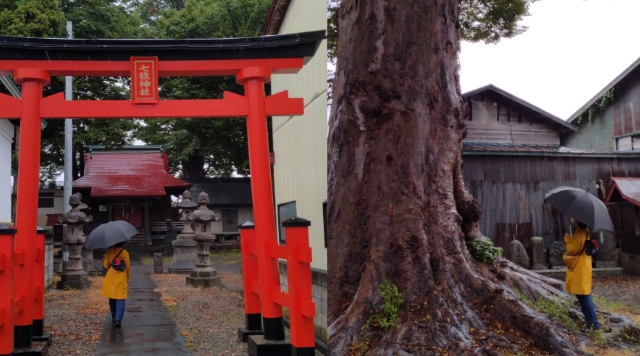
(32, 61)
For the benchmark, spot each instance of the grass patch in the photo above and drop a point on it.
(148, 261)
(612, 306)
(226, 256)
(557, 308)
(632, 335)
(360, 348)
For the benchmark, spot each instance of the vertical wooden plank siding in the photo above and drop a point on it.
(510, 189)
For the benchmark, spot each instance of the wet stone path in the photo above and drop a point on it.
(147, 326)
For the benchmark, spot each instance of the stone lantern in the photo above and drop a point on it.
(184, 247)
(203, 275)
(74, 277)
(87, 255)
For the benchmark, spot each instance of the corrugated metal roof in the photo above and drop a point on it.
(510, 96)
(128, 174)
(629, 189)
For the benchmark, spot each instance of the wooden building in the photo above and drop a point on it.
(623, 200)
(133, 184)
(617, 126)
(496, 116)
(229, 197)
(510, 182)
(513, 154)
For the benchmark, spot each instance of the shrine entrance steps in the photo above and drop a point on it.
(147, 326)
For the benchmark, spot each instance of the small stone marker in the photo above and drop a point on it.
(157, 263)
(518, 254)
(606, 247)
(556, 251)
(185, 250)
(538, 253)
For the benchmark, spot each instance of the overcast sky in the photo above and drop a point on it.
(572, 50)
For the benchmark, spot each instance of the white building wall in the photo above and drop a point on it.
(300, 147)
(6, 138)
(300, 142)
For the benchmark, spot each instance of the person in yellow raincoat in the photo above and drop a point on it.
(115, 282)
(579, 273)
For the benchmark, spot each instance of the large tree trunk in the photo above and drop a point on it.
(397, 206)
(193, 167)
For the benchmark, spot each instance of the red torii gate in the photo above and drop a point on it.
(252, 60)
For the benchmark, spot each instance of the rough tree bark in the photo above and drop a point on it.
(193, 167)
(397, 206)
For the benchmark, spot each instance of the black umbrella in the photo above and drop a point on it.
(109, 234)
(582, 206)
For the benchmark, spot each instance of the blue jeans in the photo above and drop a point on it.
(589, 311)
(117, 308)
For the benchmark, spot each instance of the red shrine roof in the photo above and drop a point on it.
(128, 174)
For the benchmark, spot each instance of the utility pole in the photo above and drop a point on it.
(68, 155)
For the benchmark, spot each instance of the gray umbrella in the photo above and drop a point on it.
(582, 206)
(109, 234)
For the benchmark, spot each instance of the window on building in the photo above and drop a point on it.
(324, 218)
(46, 200)
(229, 220)
(628, 143)
(285, 211)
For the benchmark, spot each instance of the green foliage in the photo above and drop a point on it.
(491, 20)
(31, 18)
(200, 148)
(483, 250)
(480, 20)
(600, 104)
(386, 317)
(102, 19)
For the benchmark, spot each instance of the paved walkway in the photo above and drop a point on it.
(147, 327)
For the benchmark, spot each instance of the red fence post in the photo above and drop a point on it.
(38, 333)
(301, 308)
(253, 317)
(253, 79)
(7, 235)
(32, 81)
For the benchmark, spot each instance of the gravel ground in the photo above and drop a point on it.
(75, 319)
(208, 318)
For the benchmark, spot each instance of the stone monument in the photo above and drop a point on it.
(87, 256)
(606, 246)
(518, 254)
(184, 247)
(556, 251)
(203, 275)
(538, 253)
(74, 277)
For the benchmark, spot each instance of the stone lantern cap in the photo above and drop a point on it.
(186, 201)
(203, 214)
(74, 216)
